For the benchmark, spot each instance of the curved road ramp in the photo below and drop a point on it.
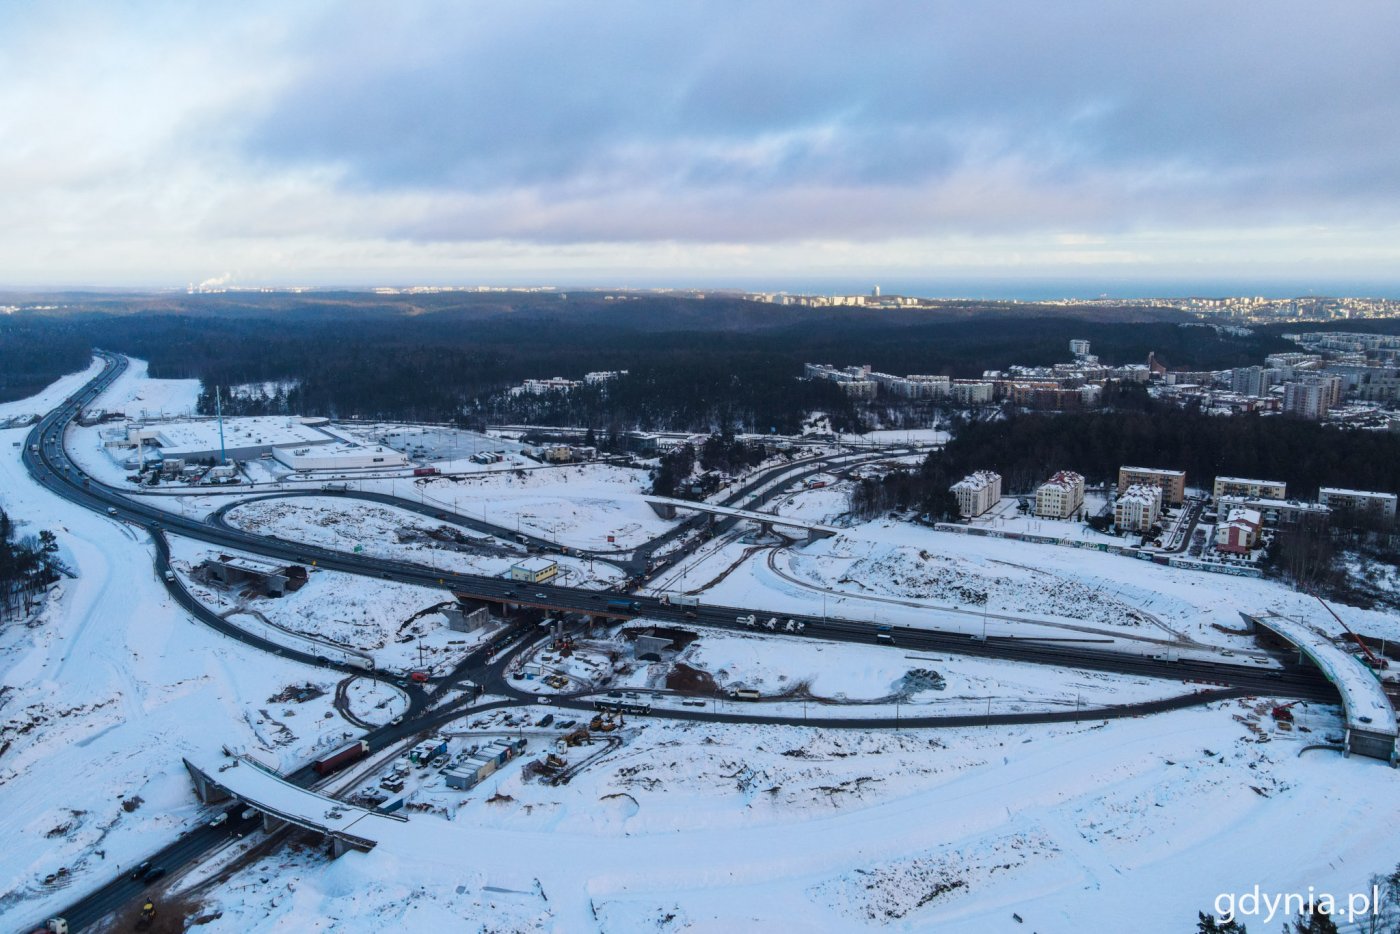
(1371, 725)
(281, 802)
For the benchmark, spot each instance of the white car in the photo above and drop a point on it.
(542, 700)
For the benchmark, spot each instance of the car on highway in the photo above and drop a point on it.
(152, 874)
(140, 870)
(540, 596)
(220, 820)
(541, 699)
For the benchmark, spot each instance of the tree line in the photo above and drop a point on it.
(27, 566)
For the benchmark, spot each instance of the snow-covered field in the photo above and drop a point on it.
(579, 506)
(104, 691)
(1130, 826)
(340, 615)
(346, 524)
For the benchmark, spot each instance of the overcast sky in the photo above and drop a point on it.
(387, 143)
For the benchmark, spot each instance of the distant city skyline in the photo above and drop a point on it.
(998, 150)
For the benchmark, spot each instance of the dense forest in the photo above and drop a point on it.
(26, 567)
(695, 365)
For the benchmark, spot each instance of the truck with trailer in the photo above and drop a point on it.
(360, 662)
(626, 606)
(335, 487)
(426, 471)
(679, 599)
(342, 757)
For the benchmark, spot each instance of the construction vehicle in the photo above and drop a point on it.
(1376, 663)
(772, 624)
(1282, 713)
(794, 626)
(746, 620)
(579, 737)
(148, 916)
(53, 926)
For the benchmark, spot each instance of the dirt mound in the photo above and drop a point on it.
(684, 679)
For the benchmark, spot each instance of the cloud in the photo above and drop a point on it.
(357, 138)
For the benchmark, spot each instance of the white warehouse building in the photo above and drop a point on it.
(338, 455)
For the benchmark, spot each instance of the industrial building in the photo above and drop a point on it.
(1061, 496)
(1249, 489)
(977, 492)
(271, 578)
(338, 455)
(1172, 483)
(299, 443)
(534, 570)
(1138, 507)
(467, 616)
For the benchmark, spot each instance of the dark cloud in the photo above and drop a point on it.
(730, 121)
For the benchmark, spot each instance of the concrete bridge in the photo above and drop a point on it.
(1371, 723)
(666, 508)
(280, 803)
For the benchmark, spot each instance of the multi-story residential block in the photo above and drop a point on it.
(977, 492)
(1312, 397)
(1061, 496)
(971, 391)
(1252, 489)
(1137, 507)
(1280, 513)
(1359, 504)
(1172, 483)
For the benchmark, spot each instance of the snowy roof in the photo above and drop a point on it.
(1248, 517)
(1156, 470)
(1249, 481)
(534, 565)
(1065, 479)
(1338, 491)
(977, 481)
(1362, 694)
(1142, 493)
(199, 436)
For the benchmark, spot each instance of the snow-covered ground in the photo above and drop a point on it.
(104, 691)
(1129, 826)
(341, 616)
(347, 524)
(579, 506)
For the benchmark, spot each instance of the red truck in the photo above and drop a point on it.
(341, 757)
(425, 471)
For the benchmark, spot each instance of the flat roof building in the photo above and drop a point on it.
(1172, 483)
(1359, 503)
(534, 570)
(1252, 489)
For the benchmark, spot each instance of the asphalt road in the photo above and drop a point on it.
(48, 462)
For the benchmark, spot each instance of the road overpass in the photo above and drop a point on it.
(281, 802)
(666, 508)
(1371, 724)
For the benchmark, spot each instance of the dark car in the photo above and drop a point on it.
(141, 870)
(154, 873)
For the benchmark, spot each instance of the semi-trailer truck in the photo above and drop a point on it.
(341, 757)
(628, 606)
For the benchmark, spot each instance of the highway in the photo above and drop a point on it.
(47, 461)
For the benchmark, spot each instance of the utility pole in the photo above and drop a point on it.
(219, 411)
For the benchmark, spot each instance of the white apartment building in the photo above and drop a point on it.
(1242, 488)
(1137, 507)
(1359, 503)
(971, 391)
(1061, 496)
(977, 492)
